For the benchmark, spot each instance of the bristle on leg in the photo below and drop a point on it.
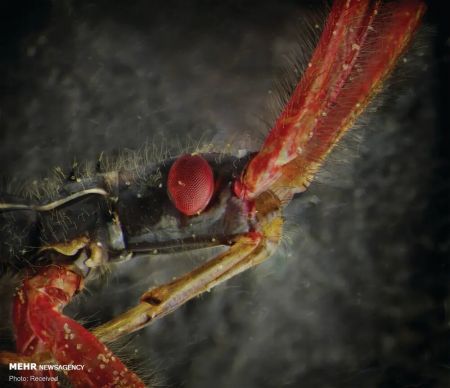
(360, 45)
(41, 328)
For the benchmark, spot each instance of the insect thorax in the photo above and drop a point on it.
(108, 216)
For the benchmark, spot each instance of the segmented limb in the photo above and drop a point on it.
(247, 251)
(41, 330)
(360, 45)
(47, 293)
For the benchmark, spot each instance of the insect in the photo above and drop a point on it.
(206, 199)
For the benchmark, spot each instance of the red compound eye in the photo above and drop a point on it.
(190, 184)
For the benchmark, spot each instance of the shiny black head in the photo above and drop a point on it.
(153, 215)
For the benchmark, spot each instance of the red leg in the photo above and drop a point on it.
(360, 45)
(41, 328)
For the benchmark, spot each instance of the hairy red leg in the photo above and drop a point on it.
(41, 328)
(360, 45)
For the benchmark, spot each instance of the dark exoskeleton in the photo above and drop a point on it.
(124, 212)
(190, 202)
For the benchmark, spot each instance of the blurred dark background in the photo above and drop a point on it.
(358, 294)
